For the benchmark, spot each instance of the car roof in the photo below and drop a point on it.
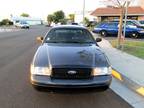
(69, 26)
(123, 20)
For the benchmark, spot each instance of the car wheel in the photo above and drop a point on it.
(134, 35)
(104, 88)
(38, 88)
(103, 33)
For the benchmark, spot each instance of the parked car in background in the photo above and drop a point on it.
(141, 22)
(74, 23)
(22, 24)
(111, 28)
(131, 23)
(69, 57)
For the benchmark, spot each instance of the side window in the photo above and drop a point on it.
(112, 25)
(100, 25)
(130, 23)
(106, 25)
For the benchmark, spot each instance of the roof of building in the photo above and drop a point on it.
(109, 11)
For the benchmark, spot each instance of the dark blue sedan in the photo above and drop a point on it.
(111, 28)
(69, 58)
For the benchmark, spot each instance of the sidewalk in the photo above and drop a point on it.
(127, 68)
(8, 29)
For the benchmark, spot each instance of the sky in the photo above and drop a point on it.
(41, 8)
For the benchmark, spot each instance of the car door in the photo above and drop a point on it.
(112, 28)
(130, 28)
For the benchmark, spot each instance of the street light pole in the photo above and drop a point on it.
(126, 13)
(125, 21)
(83, 10)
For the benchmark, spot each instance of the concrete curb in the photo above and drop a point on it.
(139, 89)
(128, 82)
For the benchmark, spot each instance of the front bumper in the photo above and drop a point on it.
(95, 82)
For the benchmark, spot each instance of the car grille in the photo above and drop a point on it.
(69, 73)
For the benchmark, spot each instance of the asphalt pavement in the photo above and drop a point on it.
(16, 52)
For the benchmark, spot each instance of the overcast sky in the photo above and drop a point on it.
(41, 8)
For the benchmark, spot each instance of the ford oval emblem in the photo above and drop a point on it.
(72, 72)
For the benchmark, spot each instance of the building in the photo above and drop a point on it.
(108, 13)
(29, 20)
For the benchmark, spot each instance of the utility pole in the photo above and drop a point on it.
(83, 10)
(125, 21)
(126, 11)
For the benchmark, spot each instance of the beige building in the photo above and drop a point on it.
(109, 14)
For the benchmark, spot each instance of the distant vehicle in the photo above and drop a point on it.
(111, 28)
(22, 24)
(141, 22)
(74, 23)
(69, 57)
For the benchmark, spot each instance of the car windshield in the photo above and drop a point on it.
(137, 22)
(69, 35)
(142, 22)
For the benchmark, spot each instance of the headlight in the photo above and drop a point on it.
(40, 70)
(101, 71)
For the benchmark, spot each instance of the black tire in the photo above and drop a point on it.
(134, 35)
(103, 33)
(38, 88)
(104, 88)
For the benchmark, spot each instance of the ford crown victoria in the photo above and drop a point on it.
(69, 57)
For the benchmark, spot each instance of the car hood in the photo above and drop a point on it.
(82, 55)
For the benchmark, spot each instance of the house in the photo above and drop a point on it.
(108, 13)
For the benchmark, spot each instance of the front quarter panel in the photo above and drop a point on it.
(41, 57)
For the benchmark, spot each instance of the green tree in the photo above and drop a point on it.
(50, 19)
(25, 15)
(58, 16)
(63, 21)
(86, 21)
(6, 22)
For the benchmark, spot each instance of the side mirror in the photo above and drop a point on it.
(39, 39)
(98, 39)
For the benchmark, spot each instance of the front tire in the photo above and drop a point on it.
(37, 88)
(134, 35)
(103, 33)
